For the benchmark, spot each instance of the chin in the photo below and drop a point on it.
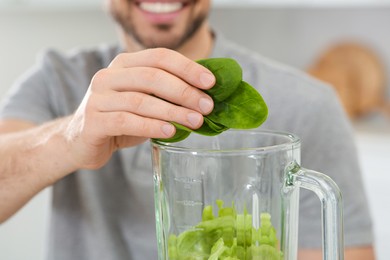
(160, 39)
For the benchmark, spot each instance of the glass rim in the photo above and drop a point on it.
(292, 141)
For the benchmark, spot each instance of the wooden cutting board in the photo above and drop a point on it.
(357, 74)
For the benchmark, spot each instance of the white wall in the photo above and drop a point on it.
(23, 33)
(374, 150)
(297, 36)
(294, 36)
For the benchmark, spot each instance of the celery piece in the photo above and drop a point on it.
(207, 213)
(172, 247)
(265, 252)
(217, 250)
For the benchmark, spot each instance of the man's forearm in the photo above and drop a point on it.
(30, 161)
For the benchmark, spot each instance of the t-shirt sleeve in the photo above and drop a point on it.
(30, 97)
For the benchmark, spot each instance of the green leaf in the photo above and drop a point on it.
(210, 128)
(192, 243)
(244, 109)
(182, 133)
(228, 75)
(236, 103)
(215, 126)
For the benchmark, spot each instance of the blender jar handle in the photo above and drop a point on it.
(331, 203)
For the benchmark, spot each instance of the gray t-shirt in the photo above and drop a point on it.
(109, 213)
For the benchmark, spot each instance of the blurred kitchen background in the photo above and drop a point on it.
(345, 42)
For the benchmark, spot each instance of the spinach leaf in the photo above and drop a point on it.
(244, 109)
(216, 127)
(182, 133)
(236, 103)
(228, 75)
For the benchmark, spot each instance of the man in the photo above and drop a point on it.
(66, 121)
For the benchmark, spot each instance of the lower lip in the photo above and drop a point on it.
(161, 18)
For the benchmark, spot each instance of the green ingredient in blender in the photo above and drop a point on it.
(226, 236)
(236, 103)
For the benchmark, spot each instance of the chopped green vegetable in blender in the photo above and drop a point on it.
(228, 236)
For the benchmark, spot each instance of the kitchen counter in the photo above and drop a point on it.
(373, 141)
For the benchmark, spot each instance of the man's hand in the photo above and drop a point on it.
(135, 98)
(132, 100)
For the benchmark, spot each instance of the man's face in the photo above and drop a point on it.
(160, 23)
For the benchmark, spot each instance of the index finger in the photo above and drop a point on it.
(168, 60)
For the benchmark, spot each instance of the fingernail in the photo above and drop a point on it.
(205, 105)
(207, 79)
(194, 119)
(168, 129)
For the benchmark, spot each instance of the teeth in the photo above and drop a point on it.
(160, 8)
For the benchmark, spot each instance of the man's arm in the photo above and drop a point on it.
(351, 253)
(29, 162)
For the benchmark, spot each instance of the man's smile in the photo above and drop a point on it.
(160, 7)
